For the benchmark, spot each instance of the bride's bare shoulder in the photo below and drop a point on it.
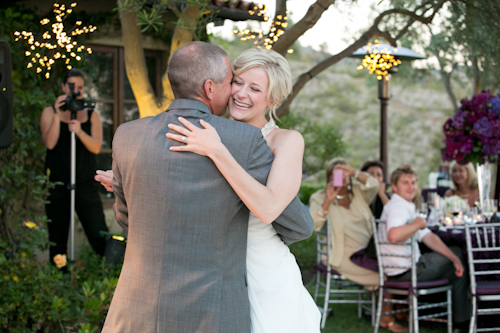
(286, 138)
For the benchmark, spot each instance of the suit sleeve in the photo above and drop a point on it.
(120, 207)
(295, 223)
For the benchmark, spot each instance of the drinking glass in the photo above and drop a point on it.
(423, 211)
(431, 199)
(490, 207)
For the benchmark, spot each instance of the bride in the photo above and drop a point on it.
(278, 300)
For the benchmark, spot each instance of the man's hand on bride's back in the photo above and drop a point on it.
(105, 178)
(202, 141)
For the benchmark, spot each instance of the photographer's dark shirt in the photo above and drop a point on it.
(58, 158)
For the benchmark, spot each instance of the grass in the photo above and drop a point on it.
(344, 318)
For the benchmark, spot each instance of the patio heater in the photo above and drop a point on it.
(382, 60)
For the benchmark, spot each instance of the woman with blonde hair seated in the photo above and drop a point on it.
(464, 179)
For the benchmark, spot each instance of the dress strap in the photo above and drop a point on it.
(268, 127)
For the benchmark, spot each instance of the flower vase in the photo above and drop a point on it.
(486, 179)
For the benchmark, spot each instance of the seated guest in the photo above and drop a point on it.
(350, 217)
(376, 169)
(464, 183)
(441, 263)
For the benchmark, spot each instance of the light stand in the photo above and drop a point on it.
(400, 53)
(72, 188)
(384, 94)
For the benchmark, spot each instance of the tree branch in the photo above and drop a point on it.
(420, 18)
(173, 8)
(373, 31)
(298, 29)
(306, 77)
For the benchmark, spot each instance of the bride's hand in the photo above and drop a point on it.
(197, 140)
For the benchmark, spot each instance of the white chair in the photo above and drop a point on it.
(482, 238)
(333, 288)
(412, 289)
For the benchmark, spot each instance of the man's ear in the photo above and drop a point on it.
(394, 189)
(208, 89)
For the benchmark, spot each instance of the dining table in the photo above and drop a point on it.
(455, 236)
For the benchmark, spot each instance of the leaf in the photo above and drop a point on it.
(93, 304)
(56, 302)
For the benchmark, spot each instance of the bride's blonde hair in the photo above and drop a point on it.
(277, 69)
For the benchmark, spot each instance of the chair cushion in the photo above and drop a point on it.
(420, 285)
(361, 258)
(488, 288)
(322, 269)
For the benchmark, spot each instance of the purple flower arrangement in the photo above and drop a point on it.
(473, 133)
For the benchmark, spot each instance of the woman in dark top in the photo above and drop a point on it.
(56, 127)
(376, 169)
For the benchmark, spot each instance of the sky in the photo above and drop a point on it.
(345, 21)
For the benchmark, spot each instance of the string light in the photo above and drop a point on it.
(55, 43)
(277, 29)
(379, 62)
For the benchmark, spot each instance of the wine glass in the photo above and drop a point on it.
(490, 207)
(431, 199)
(423, 211)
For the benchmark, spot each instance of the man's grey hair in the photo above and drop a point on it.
(193, 64)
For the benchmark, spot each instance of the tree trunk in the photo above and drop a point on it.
(135, 65)
(181, 37)
(280, 7)
(446, 77)
(476, 73)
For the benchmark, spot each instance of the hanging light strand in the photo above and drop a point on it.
(55, 44)
(278, 27)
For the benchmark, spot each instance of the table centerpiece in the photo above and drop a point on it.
(473, 135)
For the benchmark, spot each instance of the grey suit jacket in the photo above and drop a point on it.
(184, 268)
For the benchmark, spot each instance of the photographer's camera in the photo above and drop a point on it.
(73, 104)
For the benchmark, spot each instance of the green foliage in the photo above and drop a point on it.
(150, 15)
(21, 165)
(323, 141)
(472, 25)
(305, 251)
(306, 190)
(37, 296)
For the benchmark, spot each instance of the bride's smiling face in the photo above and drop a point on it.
(248, 101)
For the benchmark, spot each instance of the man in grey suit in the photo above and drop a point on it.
(184, 268)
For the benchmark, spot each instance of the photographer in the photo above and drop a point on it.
(56, 126)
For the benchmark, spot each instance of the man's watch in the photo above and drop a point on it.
(356, 174)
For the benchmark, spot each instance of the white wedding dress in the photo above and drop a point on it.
(279, 302)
